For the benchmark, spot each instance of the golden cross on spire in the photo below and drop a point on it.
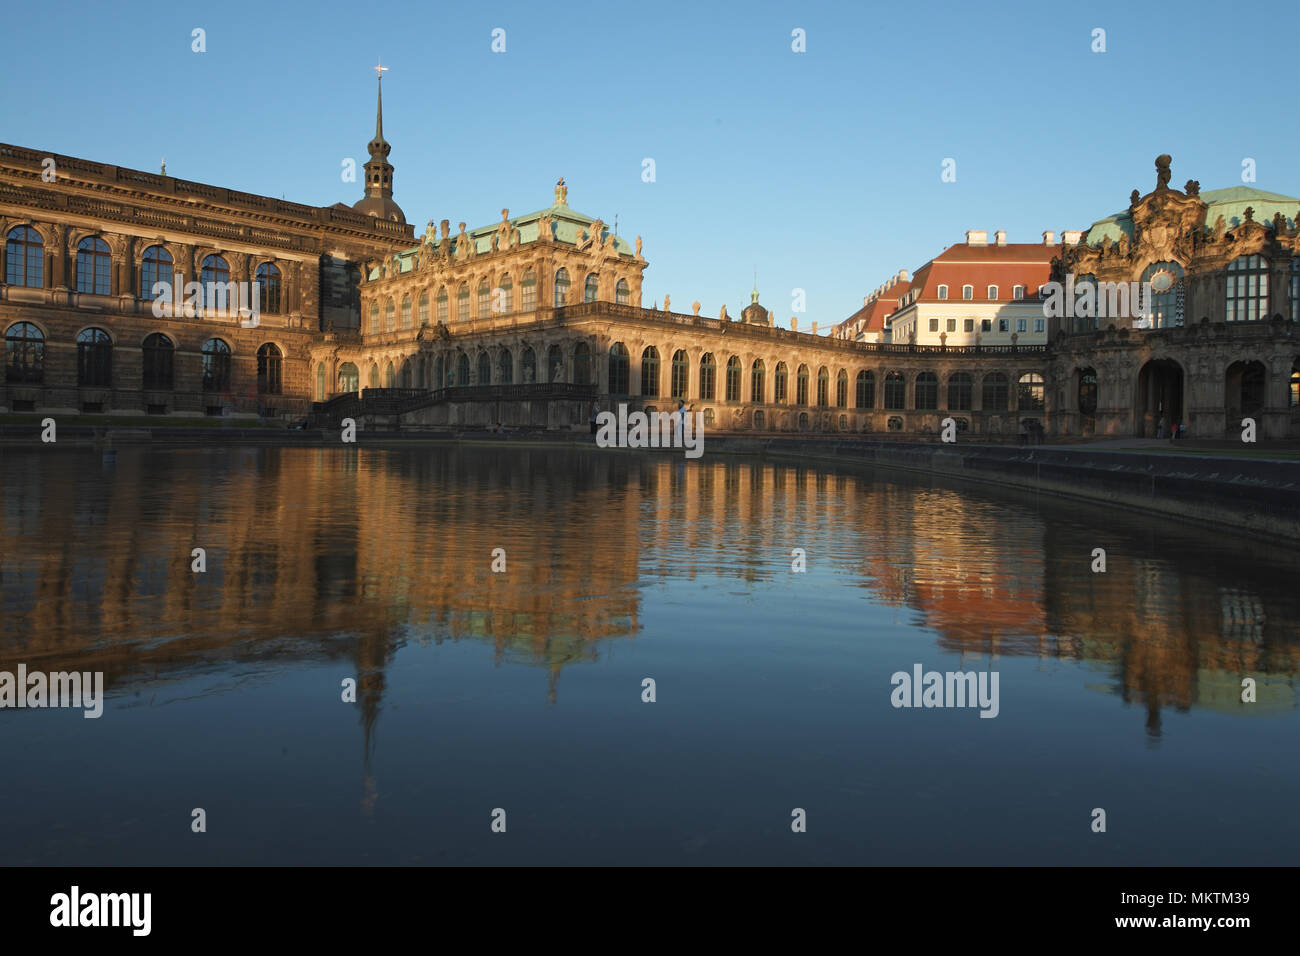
(380, 69)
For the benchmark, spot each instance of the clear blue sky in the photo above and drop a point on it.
(822, 169)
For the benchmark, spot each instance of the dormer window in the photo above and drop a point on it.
(943, 292)
(968, 292)
(993, 292)
(1018, 292)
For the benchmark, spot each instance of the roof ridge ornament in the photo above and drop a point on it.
(561, 193)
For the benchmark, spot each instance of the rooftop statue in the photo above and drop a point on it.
(1162, 170)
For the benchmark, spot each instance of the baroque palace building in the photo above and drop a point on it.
(529, 320)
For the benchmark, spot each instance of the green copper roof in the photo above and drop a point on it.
(1229, 203)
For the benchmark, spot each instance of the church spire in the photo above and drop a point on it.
(378, 200)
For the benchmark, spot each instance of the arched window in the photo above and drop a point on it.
(390, 316)
(158, 353)
(270, 369)
(443, 315)
(374, 317)
(582, 373)
(622, 294)
(943, 292)
(708, 376)
(993, 292)
(484, 300)
(679, 376)
(155, 267)
(779, 383)
(620, 366)
(895, 392)
(94, 358)
(1017, 292)
(462, 302)
(528, 292)
(650, 371)
(1166, 306)
(406, 311)
(590, 288)
(484, 369)
(961, 388)
(823, 387)
(866, 389)
(1029, 392)
(968, 292)
(555, 364)
(423, 317)
(506, 367)
(506, 296)
(216, 366)
(404, 377)
(1247, 290)
(994, 392)
(215, 276)
(440, 373)
(733, 379)
(373, 378)
(759, 421)
(390, 376)
(561, 287)
(25, 258)
(927, 391)
(268, 288)
(320, 381)
(842, 389)
(24, 354)
(94, 266)
(349, 377)
(757, 372)
(528, 364)
(462, 370)
(801, 386)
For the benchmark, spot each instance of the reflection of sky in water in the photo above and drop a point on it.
(522, 689)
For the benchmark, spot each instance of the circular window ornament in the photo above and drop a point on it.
(1162, 281)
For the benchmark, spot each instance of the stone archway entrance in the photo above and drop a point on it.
(1244, 393)
(1159, 398)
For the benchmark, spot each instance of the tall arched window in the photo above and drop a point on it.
(484, 368)
(590, 288)
(528, 292)
(320, 381)
(374, 317)
(390, 316)
(484, 300)
(506, 367)
(158, 353)
(961, 387)
(390, 376)
(779, 383)
(1029, 392)
(406, 311)
(622, 294)
(733, 379)
(506, 295)
(462, 370)
(94, 266)
(895, 392)
(555, 364)
(927, 391)
(679, 374)
(708, 376)
(442, 309)
(866, 389)
(155, 268)
(842, 389)
(801, 386)
(216, 366)
(270, 369)
(1247, 289)
(349, 377)
(757, 374)
(620, 369)
(561, 287)
(650, 371)
(24, 354)
(582, 372)
(823, 386)
(268, 288)
(994, 392)
(214, 273)
(25, 257)
(94, 358)
(942, 292)
(462, 302)
(1166, 306)
(528, 366)
(423, 315)
(373, 378)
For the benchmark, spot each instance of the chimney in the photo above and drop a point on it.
(1049, 238)
(902, 275)
(977, 237)
(1000, 237)
(1072, 237)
